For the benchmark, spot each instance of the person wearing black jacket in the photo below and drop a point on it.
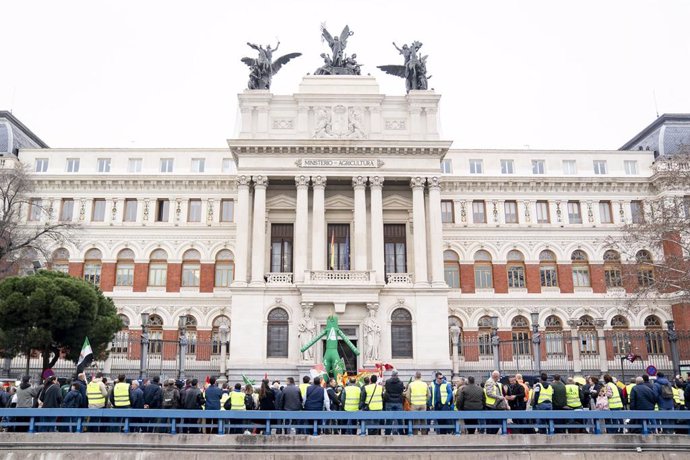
(336, 403)
(153, 394)
(192, 400)
(516, 399)
(50, 398)
(393, 396)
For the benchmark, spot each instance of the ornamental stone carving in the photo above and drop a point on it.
(559, 213)
(260, 181)
(318, 181)
(209, 211)
(146, 210)
(283, 123)
(434, 182)
(339, 122)
(417, 182)
(372, 334)
(306, 331)
(302, 181)
(590, 213)
(495, 211)
(82, 210)
(243, 181)
(376, 181)
(359, 181)
(395, 125)
(463, 212)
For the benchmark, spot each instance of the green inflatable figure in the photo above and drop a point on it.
(332, 362)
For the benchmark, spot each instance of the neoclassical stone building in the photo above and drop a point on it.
(341, 200)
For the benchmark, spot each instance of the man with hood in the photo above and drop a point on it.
(664, 392)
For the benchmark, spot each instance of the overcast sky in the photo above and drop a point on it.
(512, 74)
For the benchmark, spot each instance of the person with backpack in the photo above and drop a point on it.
(171, 395)
(664, 392)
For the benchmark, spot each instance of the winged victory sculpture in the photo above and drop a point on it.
(413, 69)
(338, 63)
(263, 67)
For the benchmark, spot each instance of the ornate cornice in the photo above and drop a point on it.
(376, 181)
(302, 181)
(260, 181)
(543, 185)
(331, 147)
(318, 181)
(359, 181)
(417, 182)
(138, 183)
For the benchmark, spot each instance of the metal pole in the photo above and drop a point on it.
(536, 341)
(673, 341)
(223, 329)
(143, 363)
(495, 343)
(183, 347)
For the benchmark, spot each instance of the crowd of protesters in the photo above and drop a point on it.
(369, 393)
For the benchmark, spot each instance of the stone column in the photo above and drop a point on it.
(377, 254)
(601, 345)
(419, 230)
(242, 218)
(259, 231)
(359, 183)
(575, 344)
(436, 233)
(318, 231)
(301, 228)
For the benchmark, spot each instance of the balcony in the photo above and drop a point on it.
(340, 277)
(399, 279)
(278, 278)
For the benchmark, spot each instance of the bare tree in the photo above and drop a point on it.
(21, 240)
(663, 229)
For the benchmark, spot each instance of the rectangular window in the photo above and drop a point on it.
(104, 165)
(162, 210)
(226, 210)
(630, 167)
(158, 274)
(548, 276)
(66, 210)
(574, 214)
(543, 215)
(511, 212)
(637, 210)
(447, 214)
(191, 273)
(224, 273)
(482, 276)
(130, 214)
(600, 167)
(35, 209)
(554, 343)
(612, 276)
(41, 164)
(194, 211)
(479, 212)
(281, 248)
(166, 165)
(73, 165)
(605, 212)
(98, 211)
(507, 167)
(338, 246)
(521, 343)
(277, 339)
(227, 166)
(451, 274)
(394, 248)
(134, 165)
(92, 273)
(124, 275)
(654, 341)
(198, 165)
(485, 347)
(516, 276)
(447, 166)
(581, 276)
(538, 167)
(476, 167)
(569, 167)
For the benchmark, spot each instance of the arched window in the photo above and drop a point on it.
(225, 268)
(191, 268)
(155, 327)
(216, 336)
(516, 269)
(654, 335)
(484, 335)
(521, 340)
(553, 335)
(158, 268)
(454, 321)
(483, 278)
(121, 340)
(190, 325)
(451, 269)
(588, 336)
(401, 334)
(92, 266)
(277, 333)
(580, 269)
(612, 269)
(547, 269)
(620, 336)
(60, 261)
(124, 273)
(645, 269)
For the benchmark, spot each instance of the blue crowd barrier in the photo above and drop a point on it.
(362, 422)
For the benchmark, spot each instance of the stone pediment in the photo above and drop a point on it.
(281, 202)
(396, 202)
(339, 202)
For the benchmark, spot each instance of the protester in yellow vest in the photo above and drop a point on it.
(225, 396)
(372, 396)
(628, 390)
(573, 394)
(303, 386)
(120, 397)
(236, 399)
(615, 401)
(351, 396)
(97, 392)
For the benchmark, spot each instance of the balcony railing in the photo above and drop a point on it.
(278, 278)
(340, 276)
(399, 279)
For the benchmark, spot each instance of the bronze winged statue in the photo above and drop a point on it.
(413, 69)
(338, 63)
(263, 67)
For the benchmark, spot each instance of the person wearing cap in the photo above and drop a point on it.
(393, 396)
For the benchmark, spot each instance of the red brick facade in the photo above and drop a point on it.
(467, 278)
(174, 277)
(565, 278)
(596, 276)
(207, 278)
(108, 276)
(141, 277)
(532, 278)
(500, 279)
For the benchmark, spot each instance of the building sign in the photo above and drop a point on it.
(338, 163)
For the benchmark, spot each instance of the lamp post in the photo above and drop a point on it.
(182, 323)
(495, 343)
(536, 342)
(144, 356)
(455, 338)
(223, 329)
(673, 341)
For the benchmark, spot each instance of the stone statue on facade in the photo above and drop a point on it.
(338, 63)
(372, 333)
(263, 67)
(413, 69)
(306, 332)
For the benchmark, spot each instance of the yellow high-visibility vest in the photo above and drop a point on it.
(303, 389)
(490, 398)
(444, 394)
(545, 394)
(352, 395)
(237, 401)
(93, 392)
(223, 399)
(615, 399)
(121, 395)
(677, 395)
(572, 394)
(628, 390)
(418, 393)
(376, 401)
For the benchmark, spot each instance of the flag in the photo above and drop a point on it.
(247, 380)
(347, 251)
(86, 356)
(332, 262)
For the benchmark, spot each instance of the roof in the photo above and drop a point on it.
(19, 125)
(666, 117)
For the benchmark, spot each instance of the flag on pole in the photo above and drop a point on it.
(332, 262)
(347, 250)
(86, 356)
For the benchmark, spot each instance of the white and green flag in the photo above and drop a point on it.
(86, 355)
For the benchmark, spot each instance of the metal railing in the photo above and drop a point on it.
(326, 422)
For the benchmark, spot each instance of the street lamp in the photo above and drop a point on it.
(673, 341)
(182, 323)
(144, 356)
(223, 329)
(536, 342)
(455, 338)
(495, 342)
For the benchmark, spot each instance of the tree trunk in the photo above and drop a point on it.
(28, 360)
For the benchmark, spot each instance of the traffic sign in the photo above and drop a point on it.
(651, 370)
